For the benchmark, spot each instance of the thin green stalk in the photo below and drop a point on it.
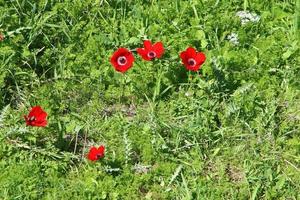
(123, 84)
(297, 20)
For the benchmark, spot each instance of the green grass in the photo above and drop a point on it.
(231, 131)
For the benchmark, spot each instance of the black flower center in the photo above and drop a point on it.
(99, 155)
(122, 60)
(191, 62)
(151, 54)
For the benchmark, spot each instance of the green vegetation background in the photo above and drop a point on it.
(228, 132)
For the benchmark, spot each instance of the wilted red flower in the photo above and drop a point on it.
(192, 59)
(96, 153)
(150, 51)
(36, 117)
(1, 37)
(122, 60)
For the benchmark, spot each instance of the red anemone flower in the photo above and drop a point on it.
(36, 117)
(150, 51)
(96, 153)
(122, 60)
(192, 59)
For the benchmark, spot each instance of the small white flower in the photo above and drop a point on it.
(246, 17)
(233, 38)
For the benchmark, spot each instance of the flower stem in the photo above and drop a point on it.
(123, 84)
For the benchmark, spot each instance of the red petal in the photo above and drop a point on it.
(37, 111)
(41, 123)
(200, 59)
(92, 155)
(101, 149)
(195, 68)
(34, 110)
(183, 55)
(147, 44)
(143, 53)
(130, 58)
(121, 51)
(128, 65)
(43, 115)
(93, 150)
(184, 58)
(158, 49)
(191, 52)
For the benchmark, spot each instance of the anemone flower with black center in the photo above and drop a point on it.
(149, 51)
(122, 60)
(192, 59)
(36, 117)
(96, 153)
